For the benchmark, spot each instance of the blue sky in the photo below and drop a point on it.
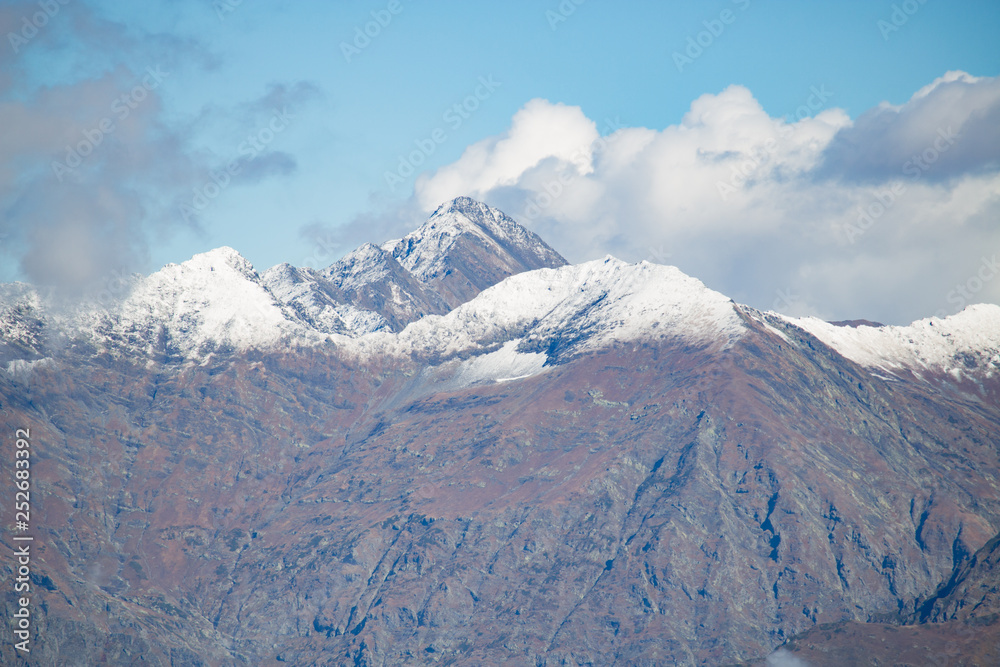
(329, 126)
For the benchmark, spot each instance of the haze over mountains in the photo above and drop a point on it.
(455, 448)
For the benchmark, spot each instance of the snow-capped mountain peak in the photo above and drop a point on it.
(215, 299)
(428, 252)
(221, 258)
(463, 248)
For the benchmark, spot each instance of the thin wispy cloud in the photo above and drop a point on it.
(99, 166)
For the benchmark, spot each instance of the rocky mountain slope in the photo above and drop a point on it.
(959, 625)
(594, 464)
(972, 592)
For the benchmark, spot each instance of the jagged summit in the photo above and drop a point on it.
(466, 246)
(463, 248)
(223, 254)
(470, 212)
(463, 215)
(469, 207)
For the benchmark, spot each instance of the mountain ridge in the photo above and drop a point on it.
(587, 464)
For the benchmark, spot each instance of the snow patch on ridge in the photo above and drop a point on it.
(302, 291)
(362, 266)
(21, 369)
(503, 365)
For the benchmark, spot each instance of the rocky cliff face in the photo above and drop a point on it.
(958, 624)
(580, 465)
(971, 593)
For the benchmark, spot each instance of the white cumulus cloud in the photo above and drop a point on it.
(889, 216)
(538, 132)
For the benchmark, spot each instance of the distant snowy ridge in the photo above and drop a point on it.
(217, 301)
(955, 345)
